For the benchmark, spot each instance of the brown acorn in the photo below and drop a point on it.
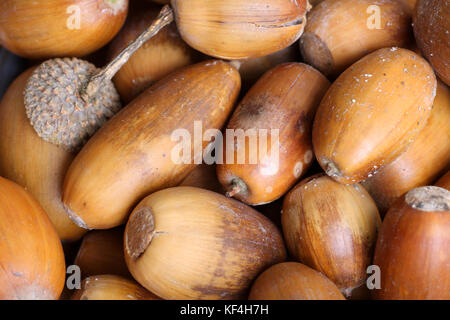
(54, 28)
(203, 176)
(135, 153)
(111, 287)
(424, 161)
(31, 256)
(293, 281)
(190, 243)
(332, 228)
(444, 181)
(431, 21)
(372, 113)
(339, 33)
(159, 56)
(279, 109)
(412, 250)
(101, 252)
(32, 162)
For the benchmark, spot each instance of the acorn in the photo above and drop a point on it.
(293, 281)
(444, 181)
(111, 287)
(424, 161)
(203, 176)
(32, 162)
(410, 5)
(240, 29)
(412, 249)
(101, 252)
(137, 153)
(332, 228)
(339, 33)
(158, 57)
(190, 243)
(31, 255)
(53, 28)
(431, 22)
(279, 109)
(372, 113)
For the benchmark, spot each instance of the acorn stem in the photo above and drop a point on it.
(164, 18)
(236, 186)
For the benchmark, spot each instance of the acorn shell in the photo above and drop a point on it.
(54, 28)
(444, 181)
(203, 176)
(293, 281)
(284, 99)
(424, 161)
(31, 255)
(35, 164)
(372, 113)
(332, 228)
(240, 29)
(412, 250)
(133, 154)
(111, 287)
(431, 22)
(339, 33)
(190, 243)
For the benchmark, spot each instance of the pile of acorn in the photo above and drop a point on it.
(350, 208)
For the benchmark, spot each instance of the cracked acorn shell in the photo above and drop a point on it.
(423, 162)
(332, 228)
(372, 113)
(412, 249)
(431, 22)
(238, 29)
(293, 281)
(54, 28)
(444, 181)
(133, 154)
(31, 255)
(190, 243)
(284, 99)
(111, 287)
(35, 164)
(158, 57)
(337, 33)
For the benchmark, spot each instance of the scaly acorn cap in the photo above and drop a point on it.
(55, 107)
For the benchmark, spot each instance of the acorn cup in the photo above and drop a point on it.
(149, 145)
(279, 109)
(293, 281)
(339, 33)
(54, 28)
(412, 249)
(444, 181)
(190, 243)
(31, 255)
(431, 22)
(101, 252)
(158, 57)
(332, 228)
(111, 287)
(423, 162)
(372, 113)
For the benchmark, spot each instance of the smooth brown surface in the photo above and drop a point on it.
(412, 252)
(101, 252)
(111, 287)
(284, 99)
(425, 160)
(372, 113)
(444, 181)
(40, 29)
(35, 164)
(431, 28)
(293, 281)
(203, 176)
(332, 228)
(164, 53)
(238, 29)
(337, 33)
(201, 245)
(132, 155)
(31, 256)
